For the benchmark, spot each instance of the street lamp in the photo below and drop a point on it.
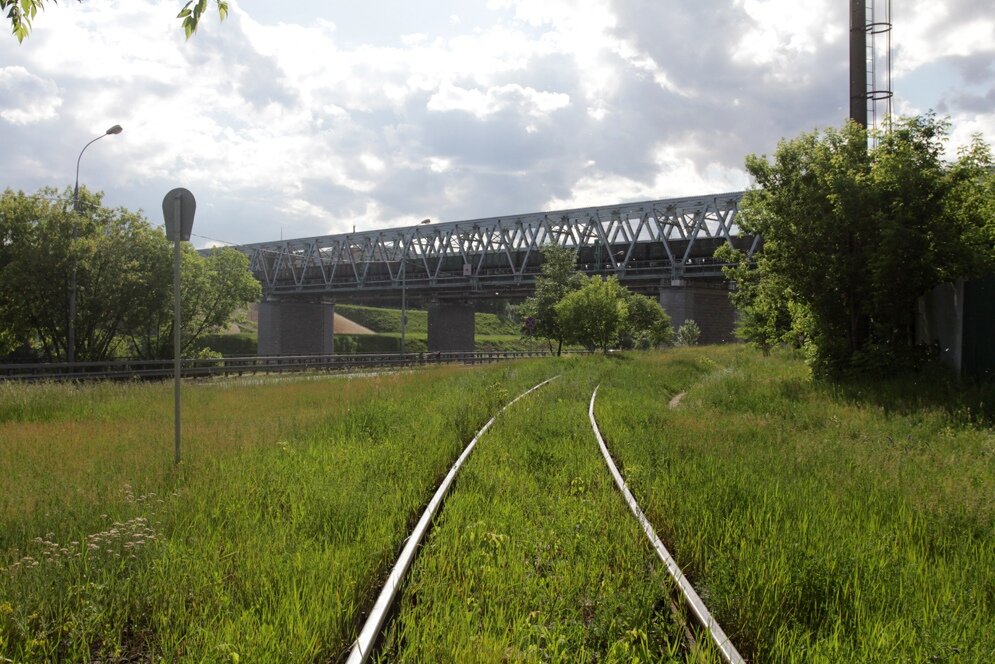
(404, 301)
(71, 342)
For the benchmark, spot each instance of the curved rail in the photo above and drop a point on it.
(698, 608)
(363, 646)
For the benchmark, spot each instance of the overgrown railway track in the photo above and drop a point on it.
(377, 620)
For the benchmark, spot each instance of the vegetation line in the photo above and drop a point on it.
(363, 646)
(729, 652)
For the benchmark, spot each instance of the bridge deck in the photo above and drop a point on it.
(644, 244)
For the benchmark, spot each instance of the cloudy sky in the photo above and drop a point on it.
(308, 117)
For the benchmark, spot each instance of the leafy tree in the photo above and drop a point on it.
(604, 312)
(596, 315)
(21, 13)
(559, 277)
(212, 289)
(853, 236)
(646, 321)
(47, 243)
(764, 305)
(124, 279)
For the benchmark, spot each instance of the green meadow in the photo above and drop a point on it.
(819, 523)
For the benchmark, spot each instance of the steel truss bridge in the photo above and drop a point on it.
(647, 245)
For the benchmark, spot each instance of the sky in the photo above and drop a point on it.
(307, 117)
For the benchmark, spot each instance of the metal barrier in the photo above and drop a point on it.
(237, 366)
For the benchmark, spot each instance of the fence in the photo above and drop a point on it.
(237, 366)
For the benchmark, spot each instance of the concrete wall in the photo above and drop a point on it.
(940, 320)
(296, 328)
(450, 327)
(710, 308)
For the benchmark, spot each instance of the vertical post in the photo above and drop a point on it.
(176, 327)
(71, 341)
(858, 62)
(404, 303)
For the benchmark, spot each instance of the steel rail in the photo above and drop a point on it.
(363, 646)
(697, 606)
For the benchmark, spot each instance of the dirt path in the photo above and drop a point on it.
(343, 325)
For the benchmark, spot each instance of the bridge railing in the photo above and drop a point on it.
(237, 366)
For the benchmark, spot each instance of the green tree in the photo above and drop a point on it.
(212, 289)
(596, 315)
(764, 305)
(21, 13)
(124, 280)
(646, 323)
(47, 243)
(851, 237)
(559, 276)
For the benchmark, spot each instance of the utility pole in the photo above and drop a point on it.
(858, 62)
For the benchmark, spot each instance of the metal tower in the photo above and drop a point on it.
(870, 62)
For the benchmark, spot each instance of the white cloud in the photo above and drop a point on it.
(482, 103)
(529, 105)
(783, 30)
(676, 174)
(26, 98)
(926, 31)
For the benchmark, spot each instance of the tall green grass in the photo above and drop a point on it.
(817, 526)
(263, 546)
(819, 523)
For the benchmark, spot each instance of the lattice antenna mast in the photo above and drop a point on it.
(870, 62)
(879, 89)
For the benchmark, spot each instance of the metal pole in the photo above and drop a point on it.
(176, 327)
(71, 334)
(404, 302)
(858, 62)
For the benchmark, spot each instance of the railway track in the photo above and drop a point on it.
(367, 642)
(364, 645)
(690, 596)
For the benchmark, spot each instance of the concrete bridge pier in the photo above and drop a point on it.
(296, 328)
(710, 308)
(451, 326)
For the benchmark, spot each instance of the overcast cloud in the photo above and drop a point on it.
(323, 116)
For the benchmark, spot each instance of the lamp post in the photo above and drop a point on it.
(404, 292)
(71, 341)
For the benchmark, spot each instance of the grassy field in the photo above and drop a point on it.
(292, 500)
(819, 523)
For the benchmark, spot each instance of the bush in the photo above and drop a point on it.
(688, 334)
(228, 345)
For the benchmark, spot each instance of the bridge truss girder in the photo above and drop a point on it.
(645, 243)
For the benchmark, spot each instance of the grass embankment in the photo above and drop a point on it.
(816, 524)
(535, 556)
(389, 320)
(492, 332)
(292, 501)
